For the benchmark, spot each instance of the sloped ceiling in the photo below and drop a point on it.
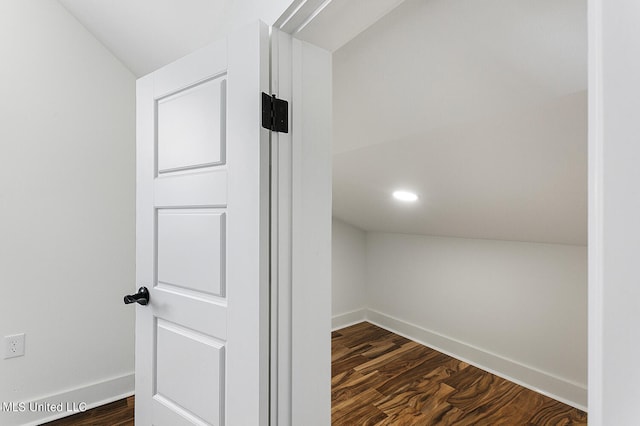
(479, 106)
(147, 34)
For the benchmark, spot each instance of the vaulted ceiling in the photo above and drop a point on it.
(479, 106)
(147, 34)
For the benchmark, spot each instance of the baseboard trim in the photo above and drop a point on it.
(347, 319)
(93, 395)
(565, 391)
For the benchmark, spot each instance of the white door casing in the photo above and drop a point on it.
(301, 235)
(202, 235)
(614, 230)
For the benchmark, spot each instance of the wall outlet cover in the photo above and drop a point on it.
(13, 346)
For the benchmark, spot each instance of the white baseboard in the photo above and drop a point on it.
(93, 395)
(565, 391)
(347, 319)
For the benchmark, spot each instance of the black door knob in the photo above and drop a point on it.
(141, 297)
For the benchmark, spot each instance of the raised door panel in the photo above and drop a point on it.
(190, 372)
(191, 249)
(191, 127)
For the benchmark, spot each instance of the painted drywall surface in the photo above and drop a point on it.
(146, 41)
(525, 302)
(488, 125)
(67, 173)
(348, 284)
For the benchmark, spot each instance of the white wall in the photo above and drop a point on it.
(67, 157)
(348, 285)
(514, 308)
(517, 302)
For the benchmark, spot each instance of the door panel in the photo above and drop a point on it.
(202, 238)
(191, 127)
(191, 249)
(198, 364)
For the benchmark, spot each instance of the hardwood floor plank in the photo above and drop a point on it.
(558, 414)
(118, 413)
(381, 363)
(431, 368)
(354, 384)
(407, 417)
(486, 394)
(347, 363)
(359, 410)
(380, 378)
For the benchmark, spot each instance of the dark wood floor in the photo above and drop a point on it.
(119, 413)
(380, 378)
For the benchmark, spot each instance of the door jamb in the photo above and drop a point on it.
(301, 226)
(595, 207)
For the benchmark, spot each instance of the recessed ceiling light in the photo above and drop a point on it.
(405, 196)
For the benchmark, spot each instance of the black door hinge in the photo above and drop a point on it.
(275, 114)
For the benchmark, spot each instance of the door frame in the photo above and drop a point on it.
(301, 235)
(302, 12)
(595, 247)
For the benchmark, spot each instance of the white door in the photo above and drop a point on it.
(202, 237)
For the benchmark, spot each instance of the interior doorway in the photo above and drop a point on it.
(481, 111)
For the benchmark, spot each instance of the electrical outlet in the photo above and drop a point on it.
(13, 346)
